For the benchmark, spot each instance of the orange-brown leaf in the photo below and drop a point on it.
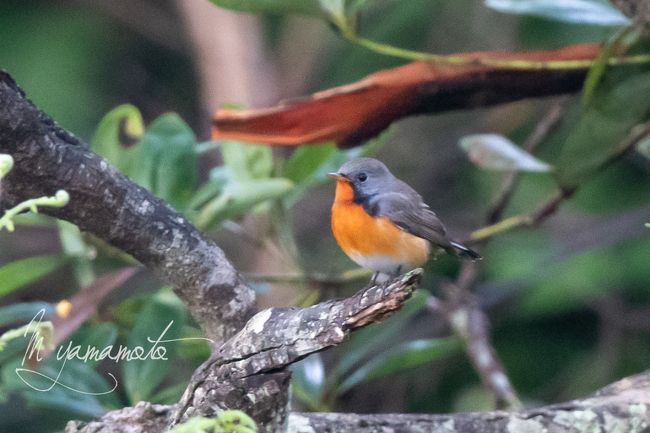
(352, 113)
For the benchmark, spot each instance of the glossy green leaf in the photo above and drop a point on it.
(303, 7)
(162, 314)
(405, 356)
(240, 197)
(167, 161)
(247, 161)
(574, 11)
(23, 312)
(19, 273)
(616, 108)
(211, 188)
(116, 137)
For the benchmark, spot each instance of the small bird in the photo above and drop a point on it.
(382, 224)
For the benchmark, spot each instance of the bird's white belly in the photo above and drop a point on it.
(384, 264)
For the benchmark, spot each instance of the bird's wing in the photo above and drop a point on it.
(411, 215)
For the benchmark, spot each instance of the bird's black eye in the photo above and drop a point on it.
(362, 177)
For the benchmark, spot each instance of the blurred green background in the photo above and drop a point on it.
(568, 301)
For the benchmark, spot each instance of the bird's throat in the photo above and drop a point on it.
(344, 192)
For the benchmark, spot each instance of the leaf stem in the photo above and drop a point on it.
(59, 200)
(500, 227)
(347, 31)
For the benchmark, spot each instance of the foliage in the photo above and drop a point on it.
(42, 331)
(547, 289)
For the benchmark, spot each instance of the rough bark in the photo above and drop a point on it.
(142, 418)
(104, 202)
(623, 407)
(249, 371)
(275, 338)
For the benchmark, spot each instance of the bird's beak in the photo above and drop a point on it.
(338, 176)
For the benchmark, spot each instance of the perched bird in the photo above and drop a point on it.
(382, 224)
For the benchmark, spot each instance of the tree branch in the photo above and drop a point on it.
(104, 202)
(275, 338)
(249, 371)
(619, 407)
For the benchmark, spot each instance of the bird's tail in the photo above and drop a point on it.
(464, 251)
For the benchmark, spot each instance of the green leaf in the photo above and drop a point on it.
(170, 395)
(375, 337)
(142, 376)
(573, 11)
(23, 312)
(42, 331)
(100, 335)
(247, 161)
(617, 107)
(219, 178)
(239, 197)
(308, 165)
(19, 273)
(72, 392)
(306, 160)
(405, 356)
(116, 137)
(166, 162)
(303, 7)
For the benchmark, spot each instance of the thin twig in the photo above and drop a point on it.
(461, 308)
(466, 318)
(550, 207)
(544, 127)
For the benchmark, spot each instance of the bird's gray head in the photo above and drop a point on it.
(368, 176)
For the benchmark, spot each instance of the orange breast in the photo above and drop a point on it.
(359, 234)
